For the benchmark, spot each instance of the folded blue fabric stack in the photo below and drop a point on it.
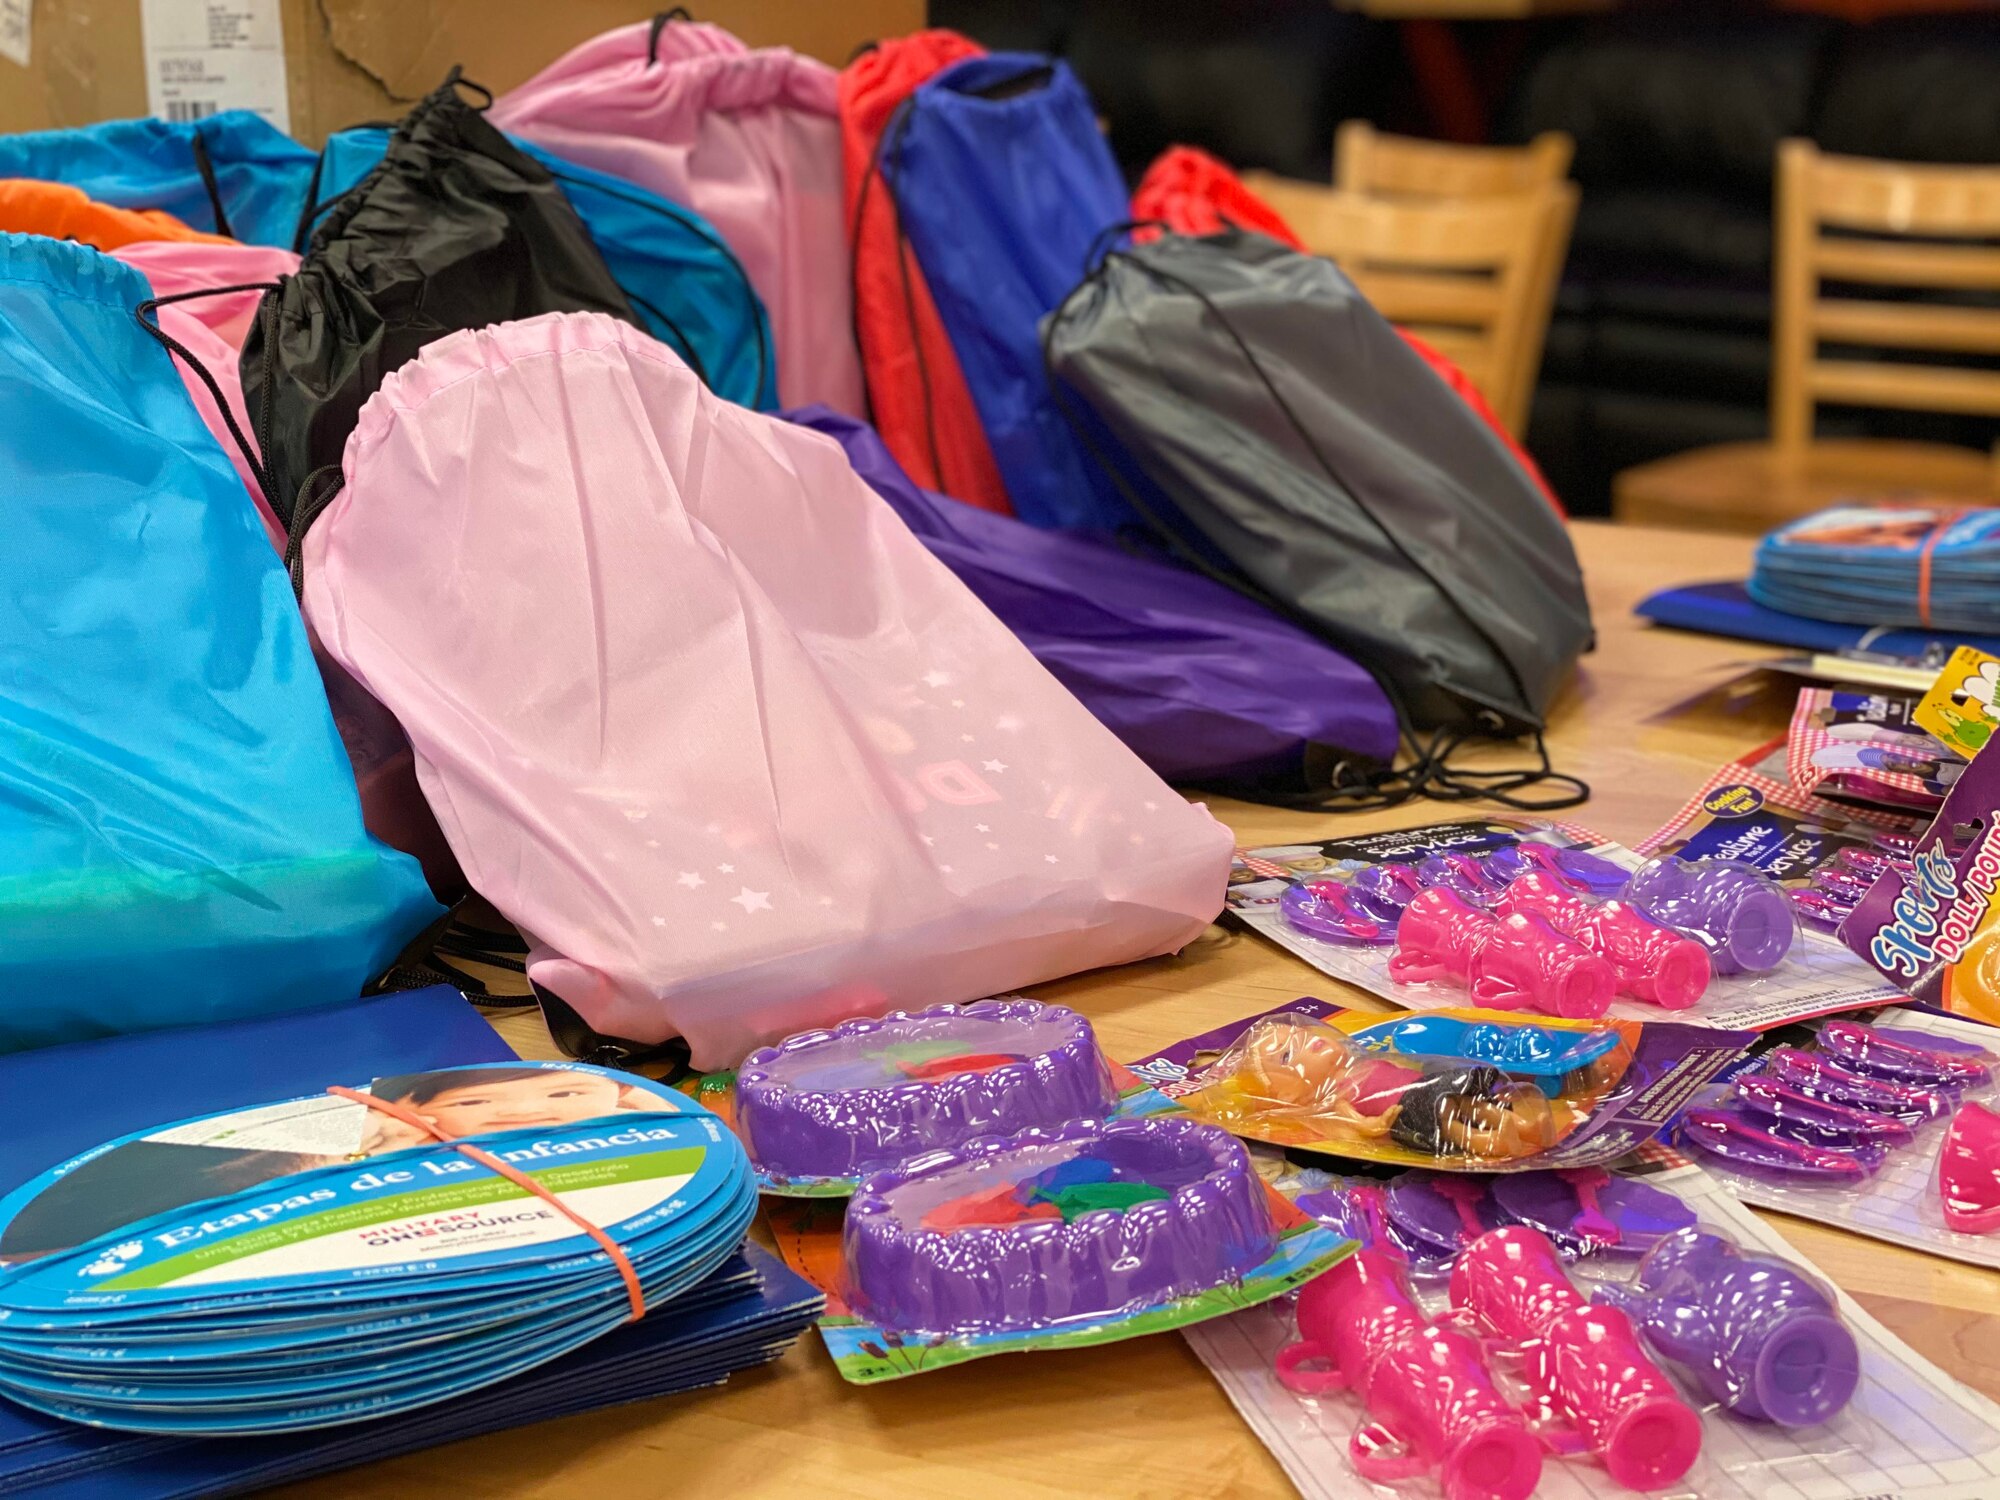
(63, 1101)
(1933, 566)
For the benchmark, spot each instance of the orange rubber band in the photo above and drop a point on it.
(1945, 523)
(519, 1178)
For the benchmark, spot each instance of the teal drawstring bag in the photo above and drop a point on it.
(180, 835)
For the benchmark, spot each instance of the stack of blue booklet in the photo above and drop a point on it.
(196, 1343)
(1928, 566)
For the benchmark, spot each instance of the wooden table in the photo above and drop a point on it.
(1144, 1418)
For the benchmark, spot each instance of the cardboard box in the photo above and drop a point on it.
(352, 60)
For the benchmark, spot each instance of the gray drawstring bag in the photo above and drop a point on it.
(1297, 436)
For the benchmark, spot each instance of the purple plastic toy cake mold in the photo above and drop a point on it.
(869, 1093)
(1048, 1226)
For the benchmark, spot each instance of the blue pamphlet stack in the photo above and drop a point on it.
(312, 1336)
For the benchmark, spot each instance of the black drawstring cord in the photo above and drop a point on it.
(315, 495)
(203, 165)
(678, 13)
(251, 457)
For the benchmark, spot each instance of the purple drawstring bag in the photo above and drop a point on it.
(1203, 684)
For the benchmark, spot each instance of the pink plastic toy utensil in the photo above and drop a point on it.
(1527, 965)
(1653, 963)
(1585, 1363)
(1432, 1406)
(1437, 938)
(1969, 1171)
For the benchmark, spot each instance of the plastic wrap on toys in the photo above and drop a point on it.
(1885, 1127)
(1052, 1238)
(1548, 919)
(1455, 1090)
(1715, 1365)
(1866, 746)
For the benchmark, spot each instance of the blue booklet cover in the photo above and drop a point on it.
(1727, 609)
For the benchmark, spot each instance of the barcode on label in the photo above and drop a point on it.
(180, 111)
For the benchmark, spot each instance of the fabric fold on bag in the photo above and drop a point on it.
(1004, 184)
(1205, 685)
(917, 397)
(453, 228)
(63, 212)
(811, 777)
(750, 140)
(686, 284)
(1309, 444)
(180, 839)
(232, 174)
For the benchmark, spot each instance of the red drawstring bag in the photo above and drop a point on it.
(1193, 193)
(920, 403)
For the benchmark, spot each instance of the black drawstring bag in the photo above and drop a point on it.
(455, 228)
(1297, 434)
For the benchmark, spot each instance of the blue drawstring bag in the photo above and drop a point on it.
(180, 835)
(682, 278)
(233, 173)
(1003, 183)
(1203, 684)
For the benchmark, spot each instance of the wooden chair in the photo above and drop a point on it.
(1888, 219)
(1401, 166)
(1473, 277)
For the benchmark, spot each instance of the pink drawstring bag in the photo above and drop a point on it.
(706, 721)
(750, 140)
(210, 327)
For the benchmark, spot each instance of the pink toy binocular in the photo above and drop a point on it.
(1584, 1362)
(1515, 962)
(1432, 1407)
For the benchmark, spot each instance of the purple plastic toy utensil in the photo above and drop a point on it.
(1735, 911)
(1752, 1330)
(1602, 876)
(1823, 911)
(1463, 876)
(1444, 1209)
(1867, 1050)
(1511, 861)
(1773, 1099)
(1586, 1210)
(1742, 1141)
(1389, 885)
(1334, 913)
(1951, 1046)
(1823, 1078)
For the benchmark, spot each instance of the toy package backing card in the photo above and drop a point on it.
(1545, 917)
(1958, 707)
(1842, 1410)
(1450, 1090)
(1932, 924)
(1867, 747)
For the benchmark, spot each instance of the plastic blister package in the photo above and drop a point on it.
(1478, 1094)
(1714, 1366)
(1888, 1127)
(1086, 1233)
(1544, 919)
